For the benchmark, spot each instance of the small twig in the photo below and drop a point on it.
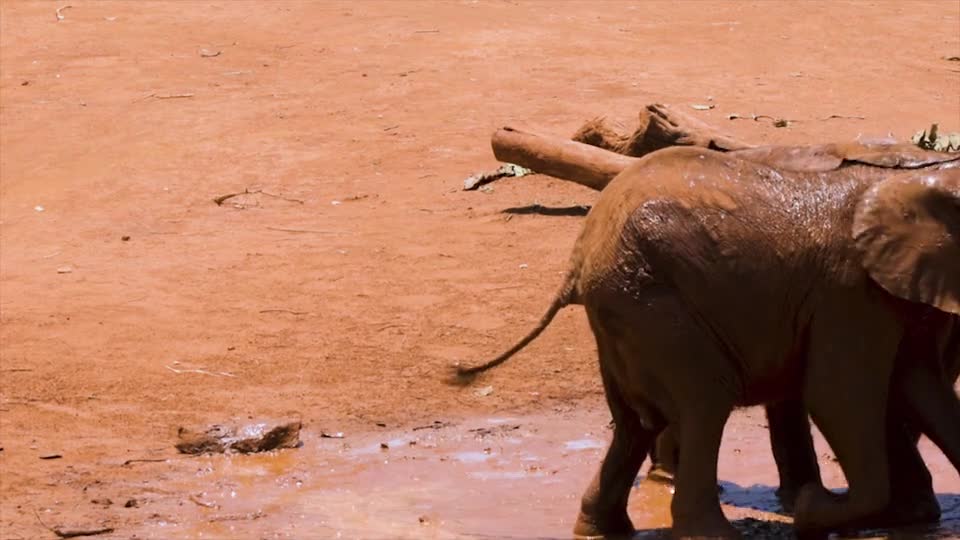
(72, 533)
(16, 369)
(60, 15)
(239, 517)
(281, 229)
(281, 197)
(162, 96)
(290, 311)
(196, 500)
(201, 371)
(832, 116)
(431, 31)
(132, 461)
(223, 198)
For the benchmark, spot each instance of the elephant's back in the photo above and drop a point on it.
(742, 243)
(695, 207)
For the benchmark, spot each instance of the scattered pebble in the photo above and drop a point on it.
(485, 391)
(64, 270)
(523, 266)
(125, 238)
(38, 208)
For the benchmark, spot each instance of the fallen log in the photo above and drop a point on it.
(659, 127)
(558, 157)
(597, 152)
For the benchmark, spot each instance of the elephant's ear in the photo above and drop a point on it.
(907, 228)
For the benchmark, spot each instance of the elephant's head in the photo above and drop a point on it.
(907, 228)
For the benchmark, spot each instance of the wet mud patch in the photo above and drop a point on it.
(517, 477)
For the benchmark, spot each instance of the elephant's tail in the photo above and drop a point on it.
(566, 296)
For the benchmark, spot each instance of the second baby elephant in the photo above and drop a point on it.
(936, 338)
(712, 282)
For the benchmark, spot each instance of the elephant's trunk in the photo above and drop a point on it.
(464, 375)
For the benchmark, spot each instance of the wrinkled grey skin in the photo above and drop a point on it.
(711, 282)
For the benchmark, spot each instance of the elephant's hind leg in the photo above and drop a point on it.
(665, 361)
(603, 509)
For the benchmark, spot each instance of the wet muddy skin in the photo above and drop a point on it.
(510, 477)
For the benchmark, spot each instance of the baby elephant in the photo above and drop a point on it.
(712, 282)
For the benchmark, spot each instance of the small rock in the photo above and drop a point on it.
(38, 208)
(384, 446)
(131, 503)
(102, 502)
(423, 520)
(485, 391)
(64, 270)
(524, 266)
(336, 203)
(125, 238)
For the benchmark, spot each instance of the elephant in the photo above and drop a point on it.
(913, 498)
(711, 282)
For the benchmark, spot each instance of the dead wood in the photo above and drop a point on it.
(659, 127)
(562, 158)
(598, 152)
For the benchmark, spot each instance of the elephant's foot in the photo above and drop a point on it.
(901, 512)
(611, 527)
(812, 503)
(660, 475)
(787, 495)
(818, 511)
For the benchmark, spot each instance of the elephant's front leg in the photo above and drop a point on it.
(663, 457)
(793, 449)
(845, 390)
(912, 500)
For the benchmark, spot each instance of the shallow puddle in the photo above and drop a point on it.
(481, 478)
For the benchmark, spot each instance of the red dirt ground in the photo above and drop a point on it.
(342, 292)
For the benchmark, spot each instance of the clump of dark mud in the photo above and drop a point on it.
(218, 439)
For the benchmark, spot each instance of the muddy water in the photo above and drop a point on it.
(476, 478)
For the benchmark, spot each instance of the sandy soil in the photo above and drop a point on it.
(358, 270)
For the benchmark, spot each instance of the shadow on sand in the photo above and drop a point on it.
(569, 211)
